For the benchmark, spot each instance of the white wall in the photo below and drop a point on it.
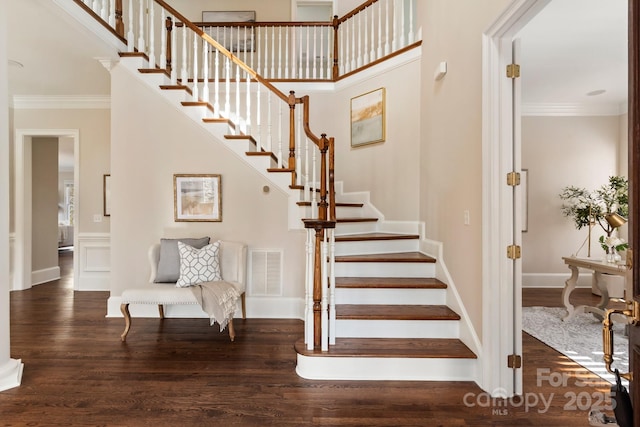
(389, 170)
(451, 137)
(151, 141)
(558, 152)
(272, 10)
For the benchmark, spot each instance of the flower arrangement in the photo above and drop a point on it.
(587, 208)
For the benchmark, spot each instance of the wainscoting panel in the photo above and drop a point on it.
(94, 262)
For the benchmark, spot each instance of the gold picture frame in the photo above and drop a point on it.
(197, 197)
(368, 118)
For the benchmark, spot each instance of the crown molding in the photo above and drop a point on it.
(61, 102)
(542, 109)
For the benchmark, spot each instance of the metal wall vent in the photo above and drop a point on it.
(265, 272)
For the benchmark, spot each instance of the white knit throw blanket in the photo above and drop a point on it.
(218, 300)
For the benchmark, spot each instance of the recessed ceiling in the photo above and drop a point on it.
(573, 50)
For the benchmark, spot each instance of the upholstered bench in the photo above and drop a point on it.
(232, 259)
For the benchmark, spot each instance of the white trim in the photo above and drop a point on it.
(11, 374)
(45, 275)
(22, 210)
(497, 215)
(61, 102)
(532, 109)
(93, 256)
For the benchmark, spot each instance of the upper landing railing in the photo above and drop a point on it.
(321, 51)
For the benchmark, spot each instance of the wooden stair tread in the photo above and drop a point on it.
(357, 219)
(280, 170)
(375, 236)
(390, 282)
(395, 312)
(338, 204)
(392, 257)
(450, 348)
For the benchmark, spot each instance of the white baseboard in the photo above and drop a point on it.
(553, 280)
(11, 374)
(45, 275)
(257, 307)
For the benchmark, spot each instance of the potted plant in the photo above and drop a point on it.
(602, 207)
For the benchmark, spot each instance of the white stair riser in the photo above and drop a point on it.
(381, 368)
(347, 328)
(356, 227)
(391, 296)
(376, 247)
(385, 269)
(175, 96)
(349, 212)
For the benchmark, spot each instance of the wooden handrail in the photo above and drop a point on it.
(357, 10)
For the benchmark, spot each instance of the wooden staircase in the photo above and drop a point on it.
(392, 317)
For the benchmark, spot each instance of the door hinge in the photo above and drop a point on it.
(513, 179)
(514, 361)
(513, 71)
(514, 252)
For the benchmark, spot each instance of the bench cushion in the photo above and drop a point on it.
(158, 293)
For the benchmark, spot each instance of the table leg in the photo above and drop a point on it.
(569, 286)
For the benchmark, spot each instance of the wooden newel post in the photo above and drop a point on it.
(292, 136)
(335, 69)
(322, 205)
(168, 23)
(119, 22)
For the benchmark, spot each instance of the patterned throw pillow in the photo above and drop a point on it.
(198, 265)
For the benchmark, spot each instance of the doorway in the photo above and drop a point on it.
(23, 213)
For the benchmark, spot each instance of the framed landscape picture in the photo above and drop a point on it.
(197, 197)
(368, 118)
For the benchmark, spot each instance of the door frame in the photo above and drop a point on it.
(22, 259)
(498, 320)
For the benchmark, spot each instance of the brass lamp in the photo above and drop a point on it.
(615, 220)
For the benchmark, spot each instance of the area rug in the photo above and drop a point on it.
(578, 338)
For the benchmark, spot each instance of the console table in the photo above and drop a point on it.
(598, 268)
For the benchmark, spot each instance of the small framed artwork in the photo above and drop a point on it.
(106, 194)
(233, 38)
(368, 118)
(197, 197)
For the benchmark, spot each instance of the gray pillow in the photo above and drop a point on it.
(169, 262)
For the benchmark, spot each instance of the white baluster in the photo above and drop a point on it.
(394, 43)
(216, 84)
(152, 50)
(387, 18)
(184, 76)
(359, 24)
(96, 7)
(163, 40)
(402, 32)
(279, 52)
(365, 32)
(309, 318)
(352, 26)
(104, 12)
(372, 41)
(329, 61)
(322, 58)
(324, 303)
(227, 95)
(412, 37)
(141, 45)
(247, 121)
(258, 138)
(300, 75)
(130, 34)
(286, 53)
(205, 71)
(307, 174)
(380, 48)
(308, 52)
(258, 40)
(280, 162)
(237, 119)
(269, 125)
(315, 57)
(298, 120)
(343, 59)
(195, 68)
(266, 52)
(332, 287)
(174, 52)
(112, 14)
(273, 52)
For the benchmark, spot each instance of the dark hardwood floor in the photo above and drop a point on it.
(182, 372)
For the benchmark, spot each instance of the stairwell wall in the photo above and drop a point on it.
(152, 140)
(451, 137)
